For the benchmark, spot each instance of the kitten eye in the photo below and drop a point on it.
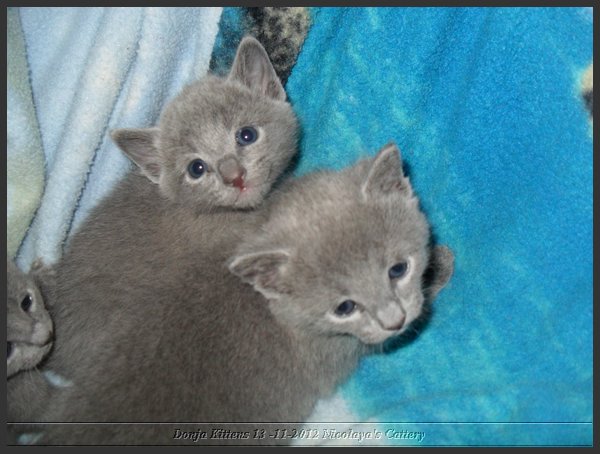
(398, 270)
(345, 308)
(246, 135)
(197, 168)
(26, 303)
(9, 350)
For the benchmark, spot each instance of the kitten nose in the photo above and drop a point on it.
(397, 325)
(41, 334)
(391, 317)
(232, 172)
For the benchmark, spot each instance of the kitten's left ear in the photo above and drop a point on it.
(386, 175)
(140, 146)
(263, 270)
(253, 68)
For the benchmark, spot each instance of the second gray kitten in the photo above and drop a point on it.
(337, 269)
(29, 340)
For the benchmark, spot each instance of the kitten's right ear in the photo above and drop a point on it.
(140, 146)
(253, 68)
(263, 270)
(386, 175)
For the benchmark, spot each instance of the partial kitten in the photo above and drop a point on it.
(222, 142)
(587, 89)
(336, 270)
(29, 341)
(29, 325)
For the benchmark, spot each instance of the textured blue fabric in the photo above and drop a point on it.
(484, 104)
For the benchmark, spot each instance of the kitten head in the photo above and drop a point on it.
(29, 326)
(222, 142)
(344, 253)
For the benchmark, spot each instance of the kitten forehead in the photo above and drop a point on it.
(325, 216)
(211, 101)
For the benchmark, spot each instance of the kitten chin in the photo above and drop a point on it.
(251, 196)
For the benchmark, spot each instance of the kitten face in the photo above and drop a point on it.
(29, 326)
(224, 143)
(220, 142)
(343, 254)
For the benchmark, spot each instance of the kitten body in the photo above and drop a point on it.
(192, 342)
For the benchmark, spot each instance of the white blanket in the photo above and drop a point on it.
(91, 70)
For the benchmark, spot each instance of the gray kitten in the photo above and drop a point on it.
(219, 147)
(222, 142)
(29, 327)
(336, 270)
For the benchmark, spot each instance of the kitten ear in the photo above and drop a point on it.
(385, 175)
(439, 271)
(253, 68)
(263, 270)
(139, 146)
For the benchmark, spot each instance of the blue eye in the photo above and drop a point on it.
(197, 168)
(346, 308)
(246, 135)
(398, 270)
(26, 303)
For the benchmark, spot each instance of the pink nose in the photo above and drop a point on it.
(232, 172)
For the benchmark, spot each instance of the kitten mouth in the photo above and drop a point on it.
(48, 343)
(383, 336)
(30, 346)
(239, 183)
(249, 196)
(242, 192)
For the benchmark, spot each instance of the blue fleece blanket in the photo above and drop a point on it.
(485, 106)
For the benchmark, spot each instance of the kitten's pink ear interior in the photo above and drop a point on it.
(253, 68)
(263, 270)
(140, 146)
(385, 175)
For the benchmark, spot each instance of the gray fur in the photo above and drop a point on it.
(201, 123)
(30, 331)
(192, 342)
